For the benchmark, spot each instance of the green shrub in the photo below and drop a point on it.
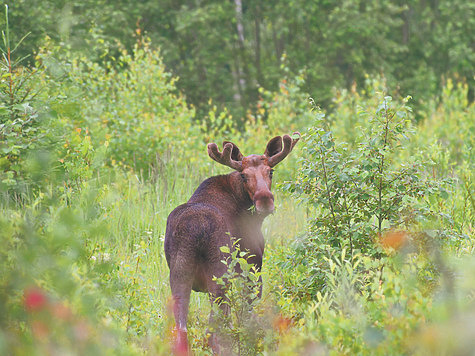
(246, 327)
(49, 300)
(126, 111)
(24, 117)
(445, 141)
(358, 194)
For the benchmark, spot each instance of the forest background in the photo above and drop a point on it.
(106, 109)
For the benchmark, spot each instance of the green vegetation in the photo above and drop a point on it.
(227, 50)
(371, 248)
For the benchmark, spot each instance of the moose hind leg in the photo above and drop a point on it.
(181, 280)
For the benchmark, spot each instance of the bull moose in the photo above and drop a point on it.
(219, 210)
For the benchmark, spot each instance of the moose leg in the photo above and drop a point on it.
(181, 283)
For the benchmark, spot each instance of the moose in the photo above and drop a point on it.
(223, 207)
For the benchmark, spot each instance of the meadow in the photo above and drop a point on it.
(370, 250)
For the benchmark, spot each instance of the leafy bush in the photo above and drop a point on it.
(23, 116)
(240, 318)
(358, 194)
(125, 111)
(49, 300)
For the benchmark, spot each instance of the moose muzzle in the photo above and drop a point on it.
(264, 202)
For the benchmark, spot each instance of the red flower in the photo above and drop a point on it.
(34, 299)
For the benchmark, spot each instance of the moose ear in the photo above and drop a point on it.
(236, 154)
(274, 146)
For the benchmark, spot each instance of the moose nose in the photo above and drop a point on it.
(264, 202)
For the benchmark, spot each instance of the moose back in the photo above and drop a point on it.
(220, 209)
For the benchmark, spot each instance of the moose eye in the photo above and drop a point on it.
(243, 176)
(271, 173)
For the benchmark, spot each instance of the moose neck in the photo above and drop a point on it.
(227, 193)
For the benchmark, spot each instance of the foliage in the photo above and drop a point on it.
(448, 134)
(22, 118)
(48, 287)
(358, 194)
(237, 313)
(386, 309)
(112, 112)
(226, 51)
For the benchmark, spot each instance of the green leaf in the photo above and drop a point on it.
(225, 249)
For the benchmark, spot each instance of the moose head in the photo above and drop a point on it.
(256, 170)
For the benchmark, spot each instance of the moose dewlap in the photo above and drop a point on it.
(218, 210)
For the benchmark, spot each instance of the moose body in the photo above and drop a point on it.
(218, 211)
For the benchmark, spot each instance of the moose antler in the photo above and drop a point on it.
(289, 144)
(225, 156)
